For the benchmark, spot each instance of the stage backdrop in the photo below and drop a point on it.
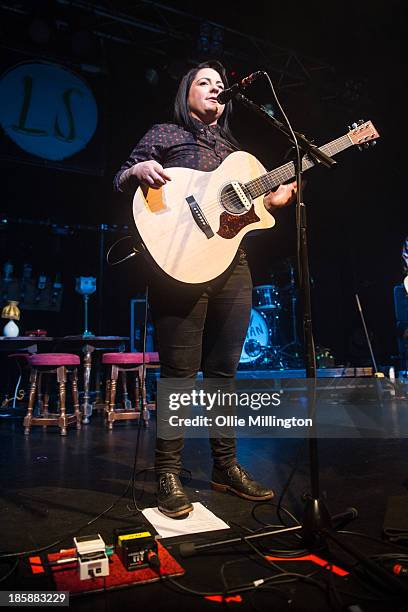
(51, 115)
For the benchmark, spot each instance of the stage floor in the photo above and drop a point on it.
(53, 485)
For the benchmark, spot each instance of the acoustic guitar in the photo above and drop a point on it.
(193, 225)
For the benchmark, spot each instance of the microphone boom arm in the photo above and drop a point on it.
(308, 147)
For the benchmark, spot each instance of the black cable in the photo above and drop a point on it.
(141, 403)
(288, 552)
(300, 239)
(271, 589)
(255, 585)
(293, 577)
(288, 482)
(329, 588)
(298, 167)
(10, 572)
(133, 252)
(374, 539)
(70, 533)
(268, 503)
(333, 593)
(269, 565)
(385, 580)
(242, 527)
(337, 600)
(369, 587)
(141, 493)
(61, 564)
(141, 408)
(265, 562)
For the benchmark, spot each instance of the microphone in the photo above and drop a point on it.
(229, 93)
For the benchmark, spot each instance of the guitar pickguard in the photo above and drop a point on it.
(230, 225)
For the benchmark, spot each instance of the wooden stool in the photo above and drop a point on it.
(123, 363)
(60, 364)
(152, 363)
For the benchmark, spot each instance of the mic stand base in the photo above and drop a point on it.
(315, 518)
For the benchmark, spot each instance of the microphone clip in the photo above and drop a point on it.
(228, 94)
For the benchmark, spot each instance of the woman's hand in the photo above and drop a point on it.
(284, 195)
(149, 173)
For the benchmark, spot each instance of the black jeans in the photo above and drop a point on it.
(201, 327)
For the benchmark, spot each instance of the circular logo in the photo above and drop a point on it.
(47, 110)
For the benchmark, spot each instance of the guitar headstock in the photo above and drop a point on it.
(363, 133)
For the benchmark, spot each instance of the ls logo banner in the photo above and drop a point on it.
(47, 110)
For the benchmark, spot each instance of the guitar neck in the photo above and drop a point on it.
(272, 179)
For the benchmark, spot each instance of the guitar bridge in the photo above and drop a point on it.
(199, 216)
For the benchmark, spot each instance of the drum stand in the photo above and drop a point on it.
(275, 352)
(293, 351)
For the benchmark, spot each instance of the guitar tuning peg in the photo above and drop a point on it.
(359, 147)
(373, 143)
(366, 145)
(354, 125)
(360, 121)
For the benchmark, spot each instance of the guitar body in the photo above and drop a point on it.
(170, 232)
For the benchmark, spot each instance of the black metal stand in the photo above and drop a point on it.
(316, 516)
(293, 350)
(317, 526)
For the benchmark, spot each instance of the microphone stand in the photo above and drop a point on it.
(316, 518)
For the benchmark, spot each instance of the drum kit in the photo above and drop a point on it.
(272, 340)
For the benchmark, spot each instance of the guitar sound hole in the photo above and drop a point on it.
(231, 201)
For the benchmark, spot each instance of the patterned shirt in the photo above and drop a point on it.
(172, 145)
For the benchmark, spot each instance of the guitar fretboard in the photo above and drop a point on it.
(284, 173)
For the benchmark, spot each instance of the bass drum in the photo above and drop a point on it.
(256, 340)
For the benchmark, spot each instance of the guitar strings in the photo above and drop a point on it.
(277, 176)
(281, 174)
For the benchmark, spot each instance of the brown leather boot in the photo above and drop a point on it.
(237, 480)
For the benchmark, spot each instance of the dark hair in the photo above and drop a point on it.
(182, 114)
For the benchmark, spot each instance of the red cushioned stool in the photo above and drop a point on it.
(124, 363)
(61, 364)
